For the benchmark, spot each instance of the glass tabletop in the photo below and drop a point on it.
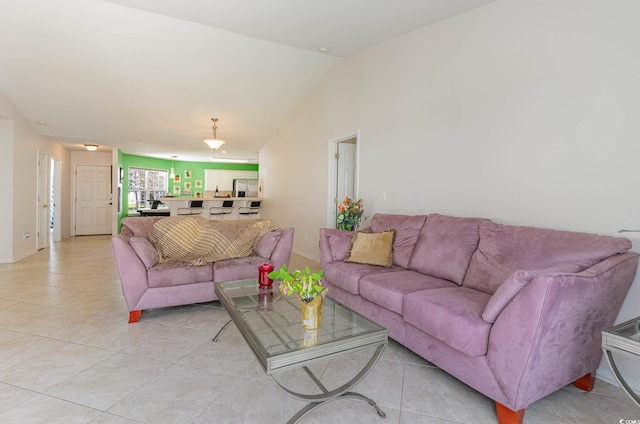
(629, 330)
(271, 324)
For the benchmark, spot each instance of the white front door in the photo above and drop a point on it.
(44, 192)
(93, 199)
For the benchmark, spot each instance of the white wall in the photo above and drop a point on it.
(19, 176)
(6, 175)
(523, 112)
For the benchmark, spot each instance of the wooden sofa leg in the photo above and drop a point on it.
(507, 416)
(586, 382)
(134, 316)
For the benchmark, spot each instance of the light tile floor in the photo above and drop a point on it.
(67, 355)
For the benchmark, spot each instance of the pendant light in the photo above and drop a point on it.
(214, 143)
(172, 174)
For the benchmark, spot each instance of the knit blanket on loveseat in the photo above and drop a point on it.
(196, 240)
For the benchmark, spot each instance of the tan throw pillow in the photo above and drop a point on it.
(372, 248)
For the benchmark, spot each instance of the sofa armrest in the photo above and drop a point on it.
(132, 271)
(334, 245)
(549, 335)
(282, 252)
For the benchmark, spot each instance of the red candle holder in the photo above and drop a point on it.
(263, 276)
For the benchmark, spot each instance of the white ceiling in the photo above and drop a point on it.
(147, 76)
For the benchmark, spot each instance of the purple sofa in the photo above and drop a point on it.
(147, 284)
(514, 312)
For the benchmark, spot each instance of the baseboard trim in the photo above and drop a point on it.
(306, 255)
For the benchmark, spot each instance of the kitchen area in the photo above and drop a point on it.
(227, 195)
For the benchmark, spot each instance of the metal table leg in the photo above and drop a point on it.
(224, 327)
(634, 397)
(330, 395)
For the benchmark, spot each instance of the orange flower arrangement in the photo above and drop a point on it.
(349, 214)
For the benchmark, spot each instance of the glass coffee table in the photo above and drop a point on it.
(623, 339)
(271, 325)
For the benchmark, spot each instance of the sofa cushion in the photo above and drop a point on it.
(236, 269)
(504, 249)
(267, 243)
(347, 276)
(516, 282)
(339, 243)
(139, 226)
(407, 230)
(145, 251)
(177, 274)
(445, 246)
(451, 315)
(388, 290)
(372, 248)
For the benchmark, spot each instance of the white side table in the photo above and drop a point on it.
(623, 339)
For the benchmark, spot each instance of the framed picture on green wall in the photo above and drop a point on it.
(177, 190)
(198, 183)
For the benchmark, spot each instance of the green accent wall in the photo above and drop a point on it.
(197, 172)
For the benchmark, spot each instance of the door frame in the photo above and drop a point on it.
(43, 199)
(332, 201)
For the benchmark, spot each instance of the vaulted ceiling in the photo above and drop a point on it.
(147, 76)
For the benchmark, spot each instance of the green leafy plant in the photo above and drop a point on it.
(305, 284)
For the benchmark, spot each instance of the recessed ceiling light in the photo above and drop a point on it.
(324, 50)
(43, 123)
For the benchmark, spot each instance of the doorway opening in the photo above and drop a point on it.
(43, 202)
(55, 214)
(343, 172)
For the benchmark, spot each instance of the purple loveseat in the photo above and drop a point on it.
(514, 312)
(147, 284)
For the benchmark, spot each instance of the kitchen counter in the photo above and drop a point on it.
(175, 203)
(174, 199)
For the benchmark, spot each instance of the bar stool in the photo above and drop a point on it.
(220, 211)
(253, 209)
(194, 208)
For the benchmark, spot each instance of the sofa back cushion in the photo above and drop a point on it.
(407, 230)
(145, 251)
(445, 246)
(339, 243)
(138, 226)
(267, 243)
(504, 249)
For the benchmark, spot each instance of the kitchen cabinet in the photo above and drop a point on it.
(225, 182)
(215, 178)
(245, 175)
(224, 178)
